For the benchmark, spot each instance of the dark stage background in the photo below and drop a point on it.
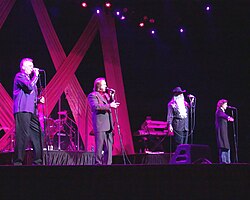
(210, 59)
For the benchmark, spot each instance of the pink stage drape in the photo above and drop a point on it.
(115, 80)
(5, 8)
(66, 66)
(6, 120)
(65, 80)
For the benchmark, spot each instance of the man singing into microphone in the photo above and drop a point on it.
(27, 126)
(221, 119)
(101, 101)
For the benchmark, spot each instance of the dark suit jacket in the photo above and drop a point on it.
(101, 112)
(221, 129)
(174, 118)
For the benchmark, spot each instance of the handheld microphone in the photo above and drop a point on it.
(231, 107)
(110, 89)
(190, 96)
(192, 100)
(40, 70)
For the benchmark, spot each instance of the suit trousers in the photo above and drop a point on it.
(25, 132)
(103, 142)
(181, 137)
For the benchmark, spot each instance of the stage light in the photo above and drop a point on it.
(181, 30)
(145, 18)
(141, 24)
(107, 4)
(123, 18)
(207, 8)
(125, 10)
(117, 13)
(84, 5)
(98, 11)
(151, 20)
(152, 32)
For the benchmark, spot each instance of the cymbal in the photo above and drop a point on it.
(62, 112)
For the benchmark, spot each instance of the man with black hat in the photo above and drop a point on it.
(177, 117)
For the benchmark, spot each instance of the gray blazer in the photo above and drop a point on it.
(101, 112)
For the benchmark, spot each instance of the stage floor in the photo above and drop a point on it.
(68, 175)
(212, 181)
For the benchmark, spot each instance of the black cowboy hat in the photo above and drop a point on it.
(178, 90)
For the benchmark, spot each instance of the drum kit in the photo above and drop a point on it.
(4, 128)
(60, 133)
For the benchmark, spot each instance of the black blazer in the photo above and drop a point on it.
(174, 118)
(221, 119)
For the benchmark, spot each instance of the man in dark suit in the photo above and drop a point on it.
(25, 96)
(221, 119)
(177, 116)
(101, 101)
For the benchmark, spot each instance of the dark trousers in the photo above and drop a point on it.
(181, 137)
(103, 142)
(27, 129)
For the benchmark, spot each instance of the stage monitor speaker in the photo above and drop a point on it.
(191, 154)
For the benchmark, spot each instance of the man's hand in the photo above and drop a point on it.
(114, 104)
(171, 128)
(36, 71)
(230, 119)
(42, 99)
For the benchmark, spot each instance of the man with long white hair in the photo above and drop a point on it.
(177, 116)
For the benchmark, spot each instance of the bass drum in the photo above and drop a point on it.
(64, 141)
